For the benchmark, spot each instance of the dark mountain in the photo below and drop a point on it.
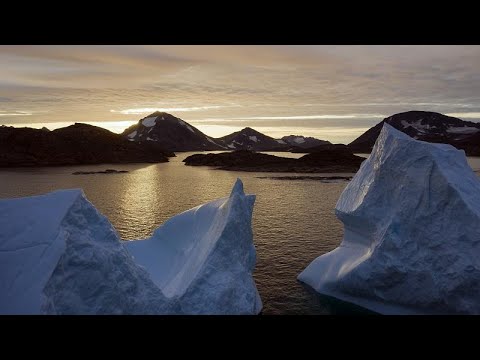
(73, 145)
(327, 161)
(250, 139)
(471, 144)
(426, 126)
(171, 133)
(303, 141)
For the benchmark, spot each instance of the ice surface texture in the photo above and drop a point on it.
(205, 257)
(412, 232)
(59, 255)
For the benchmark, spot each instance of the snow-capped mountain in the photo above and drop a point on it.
(175, 134)
(426, 126)
(171, 133)
(250, 139)
(303, 141)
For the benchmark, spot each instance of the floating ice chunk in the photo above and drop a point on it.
(59, 255)
(412, 232)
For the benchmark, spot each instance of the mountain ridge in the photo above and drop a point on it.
(426, 126)
(175, 134)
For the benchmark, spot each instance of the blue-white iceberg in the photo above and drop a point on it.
(59, 255)
(412, 232)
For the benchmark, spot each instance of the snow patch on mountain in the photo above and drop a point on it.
(299, 140)
(149, 121)
(186, 125)
(462, 130)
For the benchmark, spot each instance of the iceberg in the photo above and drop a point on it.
(411, 240)
(205, 257)
(60, 255)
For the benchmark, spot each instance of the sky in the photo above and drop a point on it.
(329, 92)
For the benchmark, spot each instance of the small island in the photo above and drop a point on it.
(108, 171)
(326, 159)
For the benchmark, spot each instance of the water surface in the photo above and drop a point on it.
(293, 221)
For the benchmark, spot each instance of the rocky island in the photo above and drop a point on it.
(108, 171)
(327, 160)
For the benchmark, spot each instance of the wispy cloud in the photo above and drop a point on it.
(140, 111)
(300, 117)
(15, 113)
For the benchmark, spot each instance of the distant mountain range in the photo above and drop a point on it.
(155, 138)
(250, 139)
(302, 141)
(73, 145)
(175, 134)
(426, 126)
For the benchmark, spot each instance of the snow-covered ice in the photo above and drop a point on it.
(299, 140)
(205, 256)
(59, 255)
(132, 134)
(280, 141)
(253, 138)
(412, 232)
(149, 121)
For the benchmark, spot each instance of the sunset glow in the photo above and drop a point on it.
(330, 91)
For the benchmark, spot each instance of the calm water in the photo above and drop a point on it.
(293, 220)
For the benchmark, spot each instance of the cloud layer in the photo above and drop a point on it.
(345, 84)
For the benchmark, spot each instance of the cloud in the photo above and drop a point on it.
(139, 111)
(15, 113)
(306, 117)
(286, 84)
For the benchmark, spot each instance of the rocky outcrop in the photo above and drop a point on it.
(244, 160)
